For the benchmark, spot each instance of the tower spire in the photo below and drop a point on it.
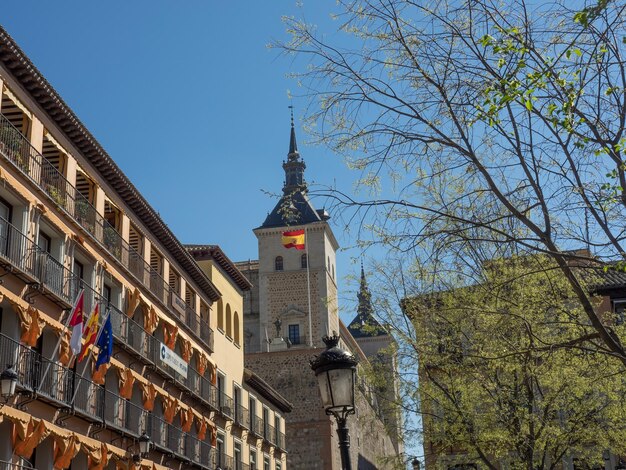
(365, 311)
(293, 145)
(294, 166)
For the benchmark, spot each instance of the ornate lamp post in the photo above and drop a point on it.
(335, 370)
(8, 381)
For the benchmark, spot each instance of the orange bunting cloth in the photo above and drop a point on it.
(98, 375)
(30, 322)
(170, 408)
(65, 353)
(294, 239)
(149, 393)
(202, 428)
(127, 380)
(26, 438)
(170, 332)
(186, 349)
(186, 419)
(98, 458)
(133, 301)
(91, 331)
(65, 449)
(150, 320)
(203, 361)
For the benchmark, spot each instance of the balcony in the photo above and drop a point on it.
(269, 434)
(257, 426)
(242, 417)
(97, 404)
(225, 405)
(280, 440)
(35, 167)
(224, 461)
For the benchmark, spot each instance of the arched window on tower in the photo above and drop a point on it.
(303, 261)
(229, 327)
(220, 315)
(278, 263)
(237, 336)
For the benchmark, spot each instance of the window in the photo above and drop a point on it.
(266, 423)
(229, 322)
(238, 460)
(5, 219)
(253, 464)
(220, 389)
(294, 334)
(278, 263)
(303, 261)
(252, 412)
(44, 242)
(220, 315)
(276, 428)
(619, 308)
(278, 465)
(237, 335)
(220, 450)
(237, 402)
(266, 462)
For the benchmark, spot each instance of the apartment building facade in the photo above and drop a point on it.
(72, 222)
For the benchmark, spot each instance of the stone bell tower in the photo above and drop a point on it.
(297, 288)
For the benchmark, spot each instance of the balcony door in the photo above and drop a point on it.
(5, 220)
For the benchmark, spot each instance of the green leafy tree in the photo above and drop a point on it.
(473, 120)
(504, 378)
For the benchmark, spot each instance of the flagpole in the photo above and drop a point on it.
(87, 361)
(56, 348)
(308, 283)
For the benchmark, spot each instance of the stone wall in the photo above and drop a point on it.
(312, 442)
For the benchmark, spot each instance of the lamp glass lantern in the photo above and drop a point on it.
(8, 382)
(144, 444)
(335, 370)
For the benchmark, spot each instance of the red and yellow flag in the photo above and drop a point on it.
(293, 239)
(91, 331)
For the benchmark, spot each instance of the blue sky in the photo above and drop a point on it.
(192, 105)
(189, 101)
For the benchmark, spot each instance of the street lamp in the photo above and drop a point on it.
(8, 381)
(144, 447)
(416, 464)
(335, 370)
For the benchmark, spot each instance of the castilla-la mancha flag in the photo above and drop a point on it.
(76, 323)
(293, 239)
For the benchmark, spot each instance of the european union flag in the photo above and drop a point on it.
(105, 343)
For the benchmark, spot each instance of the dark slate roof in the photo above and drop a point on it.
(16, 61)
(214, 252)
(299, 209)
(600, 280)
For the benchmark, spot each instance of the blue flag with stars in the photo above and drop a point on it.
(105, 343)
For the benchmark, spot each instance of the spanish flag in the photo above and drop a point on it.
(91, 332)
(294, 239)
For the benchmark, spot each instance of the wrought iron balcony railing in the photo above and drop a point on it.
(224, 461)
(257, 426)
(17, 149)
(225, 405)
(69, 390)
(242, 417)
(280, 440)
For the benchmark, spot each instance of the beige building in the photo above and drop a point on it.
(70, 220)
(292, 304)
